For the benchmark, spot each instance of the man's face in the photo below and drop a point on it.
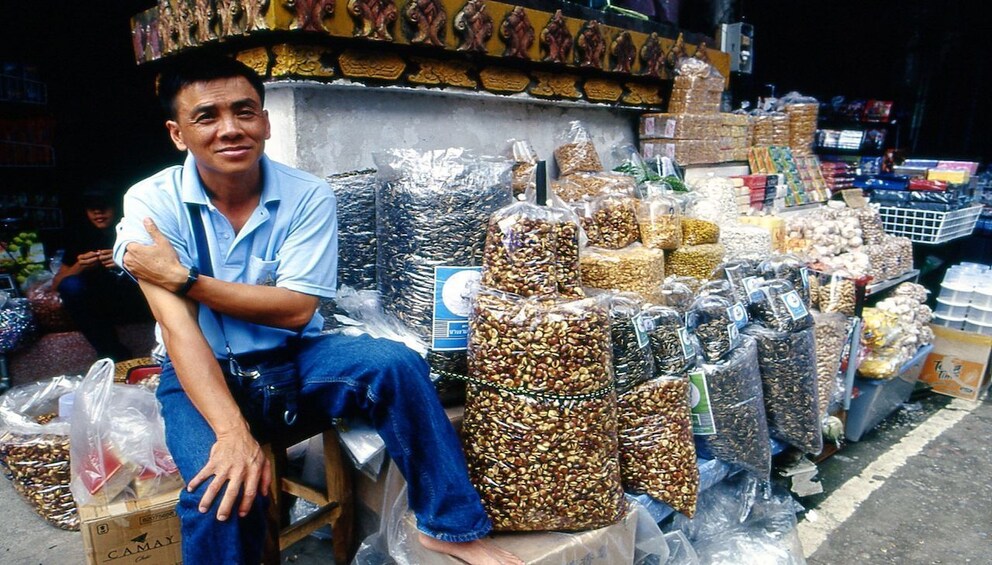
(222, 123)
(100, 217)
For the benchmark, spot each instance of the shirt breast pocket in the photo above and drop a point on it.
(262, 272)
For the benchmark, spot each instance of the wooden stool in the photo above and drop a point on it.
(335, 504)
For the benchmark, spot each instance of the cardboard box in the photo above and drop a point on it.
(959, 363)
(135, 531)
(604, 546)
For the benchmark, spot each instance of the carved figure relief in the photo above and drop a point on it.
(590, 46)
(427, 19)
(474, 25)
(374, 18)
(229, 14)
(702, 53)
(556, 41)
(652, 56)
(676, 54)
(310, 14)
(167, 30)
(139, 37)
(623, 52)
(184, 23)
(204, 17)
(254, 14)
(518, 34)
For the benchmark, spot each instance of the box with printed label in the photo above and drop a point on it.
(145, 530)
(959, 363)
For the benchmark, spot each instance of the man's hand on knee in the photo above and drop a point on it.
(236, 460)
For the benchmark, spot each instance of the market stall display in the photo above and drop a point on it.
(660, 222)
(633, 269)
(524, 163)
(632, 360)
(711, 319)
(575, 151)
(831, 331)
(696, 261)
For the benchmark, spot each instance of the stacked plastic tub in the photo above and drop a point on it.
(965, 299)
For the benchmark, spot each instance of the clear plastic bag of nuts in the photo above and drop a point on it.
(711, 319)
(676, 293)
(831, 331)
(657, 452)
(734, 429)
(673, 347)
(583, 186)
(696, 261)
(614, 222)
(524, 164)
(776, 305)
(699, 232)
(540, 413)
(787, 361)
(632, 360)
(533, 250)
(575, 151)
(837, 294)
(34, 448)
(660, 221)
(789, 268)
(741, 274)
(634, 268)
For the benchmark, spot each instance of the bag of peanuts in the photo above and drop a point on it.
(657, 452)
(575, 152)
(533, 250)
(524, 165)
(634, 268)
(540, 428)
(729, 420)
(660, 221)
(837, 293)
(831, 336)
(34, 448)
(117, 441)
(614, 222)
(585, 186)
(787, 361)
(632, 360)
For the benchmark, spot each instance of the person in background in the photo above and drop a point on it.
(95, 292)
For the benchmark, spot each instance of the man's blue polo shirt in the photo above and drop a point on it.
(290, 241)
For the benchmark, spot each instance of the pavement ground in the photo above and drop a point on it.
(915, 490)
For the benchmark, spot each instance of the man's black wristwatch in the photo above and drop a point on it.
(191, 278)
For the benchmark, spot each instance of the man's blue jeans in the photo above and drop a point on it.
(341, 376)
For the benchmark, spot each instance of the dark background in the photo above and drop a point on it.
(929, 57)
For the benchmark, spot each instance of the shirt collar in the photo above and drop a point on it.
(194, 193)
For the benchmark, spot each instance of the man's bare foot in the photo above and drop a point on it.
(478, 552)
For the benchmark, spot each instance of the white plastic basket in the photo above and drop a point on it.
(928, 226)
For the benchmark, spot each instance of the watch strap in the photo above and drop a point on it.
(191, 278)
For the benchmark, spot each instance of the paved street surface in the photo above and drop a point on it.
(916, 490)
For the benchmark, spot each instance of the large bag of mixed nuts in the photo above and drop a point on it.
(34, 448)
(540, 429)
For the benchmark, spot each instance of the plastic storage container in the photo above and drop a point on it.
(949, 309)
(982, 297)
(977, 327)
(981, 315)
(874, 400)
(956, 291)
(952, 323)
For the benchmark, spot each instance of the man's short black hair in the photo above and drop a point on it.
(186, 70)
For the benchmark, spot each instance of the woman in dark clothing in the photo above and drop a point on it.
(95, 292)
